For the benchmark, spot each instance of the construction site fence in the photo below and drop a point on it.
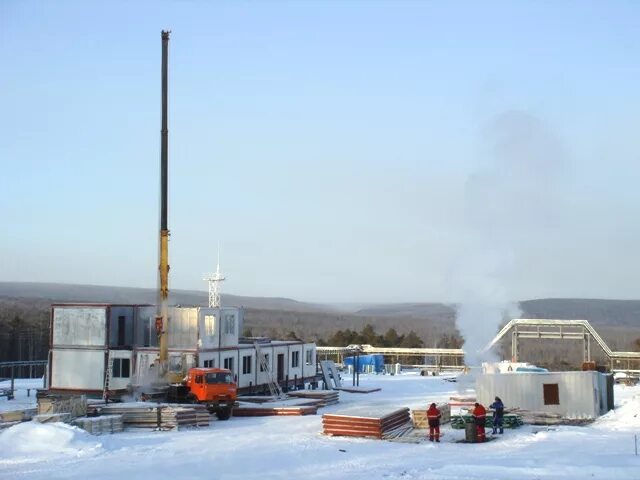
(23, 369)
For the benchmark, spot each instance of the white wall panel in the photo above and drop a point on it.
(77, 369)
(79, 326)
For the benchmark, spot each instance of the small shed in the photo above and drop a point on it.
(569, 394)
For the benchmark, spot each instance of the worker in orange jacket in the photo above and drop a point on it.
(433, 415)
(479, 416)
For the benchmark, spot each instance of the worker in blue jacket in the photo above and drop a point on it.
(498, 415)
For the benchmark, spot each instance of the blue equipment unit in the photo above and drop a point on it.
(367, 363)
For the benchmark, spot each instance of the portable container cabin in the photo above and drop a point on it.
(569, 394)
(87, 338)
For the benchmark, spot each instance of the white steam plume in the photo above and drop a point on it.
(512, 191)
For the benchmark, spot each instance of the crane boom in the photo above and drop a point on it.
(162, 320)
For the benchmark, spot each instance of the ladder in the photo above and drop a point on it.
(274, 387)
(107, 377)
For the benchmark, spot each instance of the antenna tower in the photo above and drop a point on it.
(214, 279)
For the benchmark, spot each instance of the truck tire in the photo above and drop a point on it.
(223, 413)
(191, 398)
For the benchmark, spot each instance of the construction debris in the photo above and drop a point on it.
(381, 423)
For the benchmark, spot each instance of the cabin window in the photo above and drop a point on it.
(295, 359)
(551, 394)
(266, 362)
(230, 324)
(246, 364)
(209, 325)
(228, 363)
(198, 378)
(309, 357)
(121, 330)
(121, 368)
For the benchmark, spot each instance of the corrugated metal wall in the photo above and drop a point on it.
(183, 328)
(579, 392)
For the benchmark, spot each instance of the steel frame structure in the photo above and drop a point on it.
(581, 330)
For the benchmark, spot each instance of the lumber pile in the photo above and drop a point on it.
(322, 397)
(75, 406)
(292, 407)
(420, 419)
(52, 418)
(20, 415)
(163, 417)
(104, 424)
(381, 423)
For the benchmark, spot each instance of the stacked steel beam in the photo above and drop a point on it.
(379, 423)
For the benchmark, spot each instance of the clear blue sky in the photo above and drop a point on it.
(337, 150)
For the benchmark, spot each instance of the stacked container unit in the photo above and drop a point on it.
(85, 339)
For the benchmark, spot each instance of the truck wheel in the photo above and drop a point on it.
(191, 398)
(223, 413)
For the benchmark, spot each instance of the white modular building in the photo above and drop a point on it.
(569, 394)
(93, 345)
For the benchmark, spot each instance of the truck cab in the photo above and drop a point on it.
(213, 387)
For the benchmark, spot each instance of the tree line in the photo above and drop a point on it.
(391, 338)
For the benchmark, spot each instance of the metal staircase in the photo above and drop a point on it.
(107, 377)
(274, 388)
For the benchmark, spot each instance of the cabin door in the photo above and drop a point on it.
(280, 367)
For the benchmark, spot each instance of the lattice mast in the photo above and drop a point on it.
(214, 279)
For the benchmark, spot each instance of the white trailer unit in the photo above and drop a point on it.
(569, 394)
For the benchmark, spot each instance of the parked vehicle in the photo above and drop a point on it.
(213, 387)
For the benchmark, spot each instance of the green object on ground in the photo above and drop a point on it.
(510, 420)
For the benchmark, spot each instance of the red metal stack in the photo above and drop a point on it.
(371, 422)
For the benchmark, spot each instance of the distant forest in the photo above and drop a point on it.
(25, 310)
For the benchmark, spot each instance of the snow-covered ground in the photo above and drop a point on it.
(24, 391)
(278, 447)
